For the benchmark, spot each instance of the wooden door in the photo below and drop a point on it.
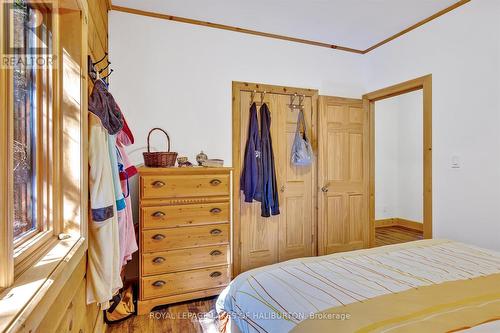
(291, 234)
(342, 175)
(258, 235)
(296, 234)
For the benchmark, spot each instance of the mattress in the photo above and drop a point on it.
(396, 288)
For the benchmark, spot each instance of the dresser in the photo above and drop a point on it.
(185, 228)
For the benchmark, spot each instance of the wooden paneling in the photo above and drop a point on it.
(291, 234)
(343, 175)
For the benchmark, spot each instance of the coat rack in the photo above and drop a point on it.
(262, 95)
(94, 73)
(294, 106)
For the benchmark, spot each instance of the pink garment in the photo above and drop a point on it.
(128, 243)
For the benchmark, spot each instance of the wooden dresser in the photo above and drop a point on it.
(185, 219)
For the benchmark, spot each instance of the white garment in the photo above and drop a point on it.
(103, 268)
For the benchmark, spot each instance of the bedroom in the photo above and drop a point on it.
(194, 70)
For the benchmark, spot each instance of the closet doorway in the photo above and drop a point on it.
(400, 181)
(259, 241)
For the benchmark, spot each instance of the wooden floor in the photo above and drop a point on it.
(395, 235)
(189, 317)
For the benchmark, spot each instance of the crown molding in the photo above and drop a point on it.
(283, 37)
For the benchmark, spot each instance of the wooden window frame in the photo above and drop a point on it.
(19, 256)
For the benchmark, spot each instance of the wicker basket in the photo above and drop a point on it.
(159, 159)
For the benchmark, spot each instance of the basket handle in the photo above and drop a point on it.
(159, 129)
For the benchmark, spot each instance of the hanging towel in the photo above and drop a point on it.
(128, 243)
(113, 157)
(103, 268)
(270, 201)
(251, 176)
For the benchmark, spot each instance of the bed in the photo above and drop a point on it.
(422, 286)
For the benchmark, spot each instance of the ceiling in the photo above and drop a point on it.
(357, 24)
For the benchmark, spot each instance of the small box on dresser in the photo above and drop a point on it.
(185, 232)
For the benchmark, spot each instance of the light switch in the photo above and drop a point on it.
(455, 162)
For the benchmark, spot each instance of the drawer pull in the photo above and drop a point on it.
(215, 182)
(215, 210)
(158, 260)
(215, 253)
(159, 283)
(158, 214)
(215, 232)
(158, 237)
(215, 274)
(158, 184)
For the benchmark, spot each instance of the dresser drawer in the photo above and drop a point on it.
(157, 187)
(183, 282)
(185, 259)
(178, 238)
(184, 215)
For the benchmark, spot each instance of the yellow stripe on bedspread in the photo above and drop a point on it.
(447, 307)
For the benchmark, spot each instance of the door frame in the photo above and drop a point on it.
(237, 88)
(423, 83)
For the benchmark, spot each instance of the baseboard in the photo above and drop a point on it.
(396, 221)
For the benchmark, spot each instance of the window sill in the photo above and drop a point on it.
(42, 281)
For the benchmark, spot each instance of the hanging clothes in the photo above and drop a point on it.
(251, 176)
(103, 105)
(104, 256)
(128, 242)
(103, 268)
(270, 200)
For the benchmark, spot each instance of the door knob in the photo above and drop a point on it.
(282, 189)
(324, 189)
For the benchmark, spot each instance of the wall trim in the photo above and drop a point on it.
(424, 83)
(399, 222)
(168, 17)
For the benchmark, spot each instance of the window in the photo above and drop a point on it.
(29, 140)
(32, 111)
(24, 128)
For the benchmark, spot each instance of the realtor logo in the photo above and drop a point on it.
(27, 28)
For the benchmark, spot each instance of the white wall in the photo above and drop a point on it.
(178, 76)
(399, 158)
(462, 51)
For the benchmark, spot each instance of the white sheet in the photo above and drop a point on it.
(276, 298)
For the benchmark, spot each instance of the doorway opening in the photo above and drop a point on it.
(400, 182)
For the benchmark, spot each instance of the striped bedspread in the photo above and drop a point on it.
(277, 298)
